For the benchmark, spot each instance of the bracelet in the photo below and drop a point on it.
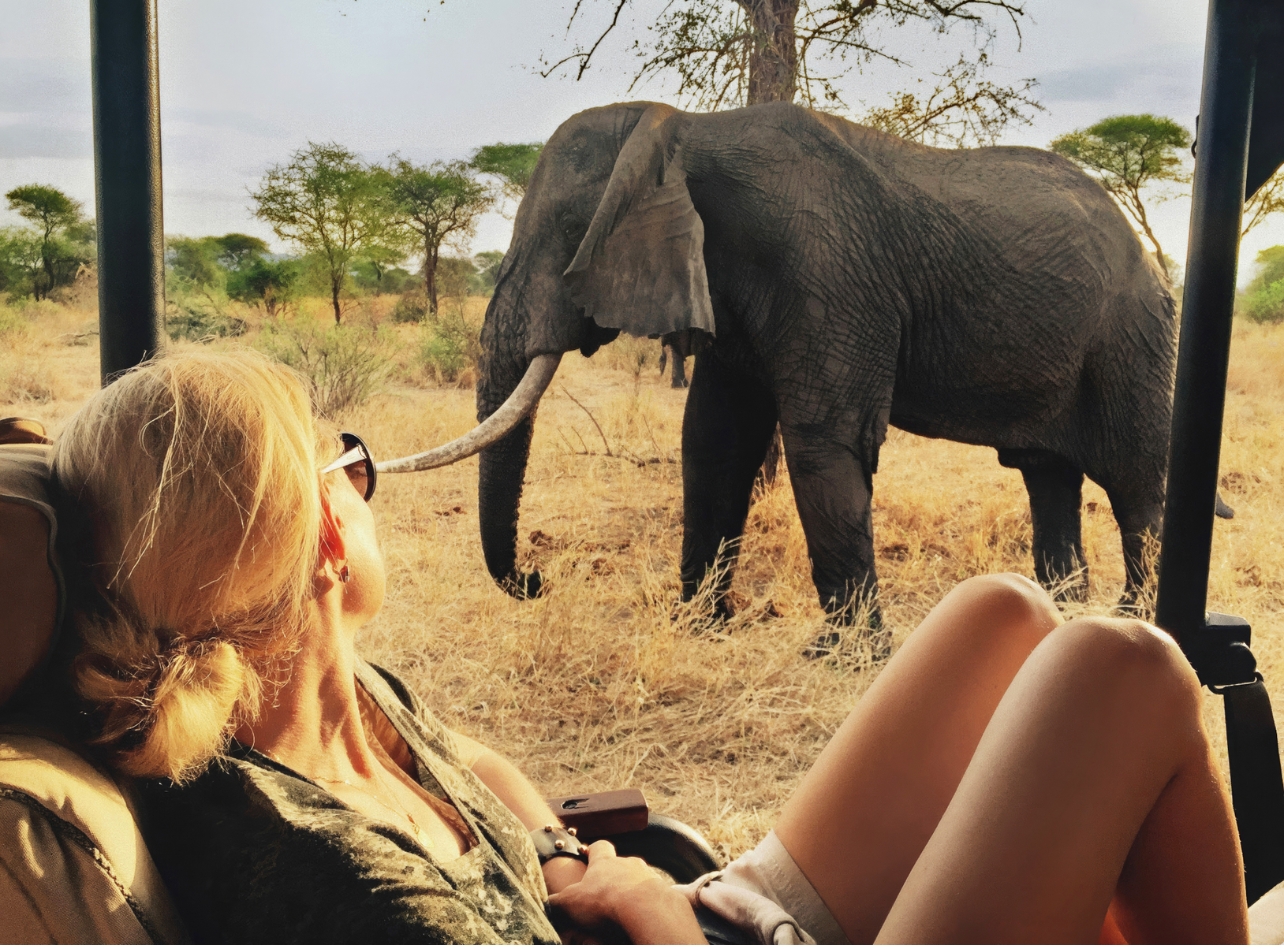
(553, 842)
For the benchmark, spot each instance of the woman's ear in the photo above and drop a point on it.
(332, 546)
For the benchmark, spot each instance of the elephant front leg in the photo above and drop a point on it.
(832, 491)
(729, 420)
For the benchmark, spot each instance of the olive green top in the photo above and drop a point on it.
(257, 853)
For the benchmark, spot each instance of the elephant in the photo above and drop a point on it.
(840, 280)
(674, 349)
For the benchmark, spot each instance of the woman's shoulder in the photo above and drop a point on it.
(411, 718)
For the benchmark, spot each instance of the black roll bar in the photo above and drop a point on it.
(127, 179)
(1240, 144)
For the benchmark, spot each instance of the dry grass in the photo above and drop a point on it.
(605, 682)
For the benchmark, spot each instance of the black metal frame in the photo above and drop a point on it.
(127, 178)
(1241, 143)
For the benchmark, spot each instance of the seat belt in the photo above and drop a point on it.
(1221, 657)
(1257, 787)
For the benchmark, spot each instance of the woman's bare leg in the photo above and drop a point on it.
(865, 810)
(1093, 781)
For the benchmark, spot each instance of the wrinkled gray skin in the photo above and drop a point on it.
(846, 280)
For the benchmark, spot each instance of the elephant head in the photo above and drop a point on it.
(606, 240)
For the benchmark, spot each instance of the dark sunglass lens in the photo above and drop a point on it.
(359, 475)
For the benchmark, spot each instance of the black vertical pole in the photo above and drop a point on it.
(1204, 350)
(127, 174)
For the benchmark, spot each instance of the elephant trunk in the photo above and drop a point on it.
(503, 473)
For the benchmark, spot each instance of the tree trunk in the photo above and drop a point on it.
(430, 276)
(46, 260)
(334, 299)
(773, 61)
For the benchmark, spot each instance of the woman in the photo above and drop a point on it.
(1008, 777)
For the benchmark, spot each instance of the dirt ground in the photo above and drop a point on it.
(606, 681)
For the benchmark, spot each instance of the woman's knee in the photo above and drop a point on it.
(1010, 603)
(1131, 656)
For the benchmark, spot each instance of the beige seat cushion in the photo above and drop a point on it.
(73, 865)
(1266, 917)
(30, 585)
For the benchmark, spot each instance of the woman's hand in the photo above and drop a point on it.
(627, 893)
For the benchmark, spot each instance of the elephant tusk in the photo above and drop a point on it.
(498, 424)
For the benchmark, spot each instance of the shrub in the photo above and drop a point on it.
(450, 346)
(1265, 304)
(25, 377)
(411, 308)
(272, 285)
(1263, 298)
(13, 322)
(201, 321)
(343, 365)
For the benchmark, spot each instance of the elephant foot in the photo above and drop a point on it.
(702, 618)
(851, 647)
(1069, 590)
(523, 586)
(1137, 604)
(1066, 581)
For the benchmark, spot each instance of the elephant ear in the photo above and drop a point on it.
(640, 267)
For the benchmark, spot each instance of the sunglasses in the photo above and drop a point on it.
(356, 464)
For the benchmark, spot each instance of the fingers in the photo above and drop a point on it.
(600, 849)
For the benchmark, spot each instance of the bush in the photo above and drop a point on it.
(1263, 298)
(450, 346)
(343, 365)
(201, 321)
(272, 285)
(1265, 304)
(13, 322)
(411, 308)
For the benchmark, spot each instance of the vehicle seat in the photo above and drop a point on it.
(73, 865)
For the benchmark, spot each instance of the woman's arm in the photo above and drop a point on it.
(515, 790)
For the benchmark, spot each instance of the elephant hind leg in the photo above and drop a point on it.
(1140, 516)
(1055, 487)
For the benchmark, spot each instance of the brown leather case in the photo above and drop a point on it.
(602, 813)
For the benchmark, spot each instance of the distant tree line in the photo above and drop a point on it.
(241, 267)
(354, 220)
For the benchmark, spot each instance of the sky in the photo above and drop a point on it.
(246, 82)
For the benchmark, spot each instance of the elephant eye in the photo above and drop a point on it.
(573, 226)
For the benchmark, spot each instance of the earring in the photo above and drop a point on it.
(345, 575)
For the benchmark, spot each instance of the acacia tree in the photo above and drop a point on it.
(438, 203)
(327, 202)
(1128, 154)
(728, 53)
(1268, 200)
(513, 164)
(53, 214)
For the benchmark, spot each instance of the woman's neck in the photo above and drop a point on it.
(314, 723)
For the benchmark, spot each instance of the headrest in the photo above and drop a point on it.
(16, 431)
(31, 589)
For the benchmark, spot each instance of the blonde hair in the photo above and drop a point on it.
(195, 477)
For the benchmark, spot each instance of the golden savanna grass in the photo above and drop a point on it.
(605, 682)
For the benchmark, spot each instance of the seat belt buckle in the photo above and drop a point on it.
(1220, 652)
